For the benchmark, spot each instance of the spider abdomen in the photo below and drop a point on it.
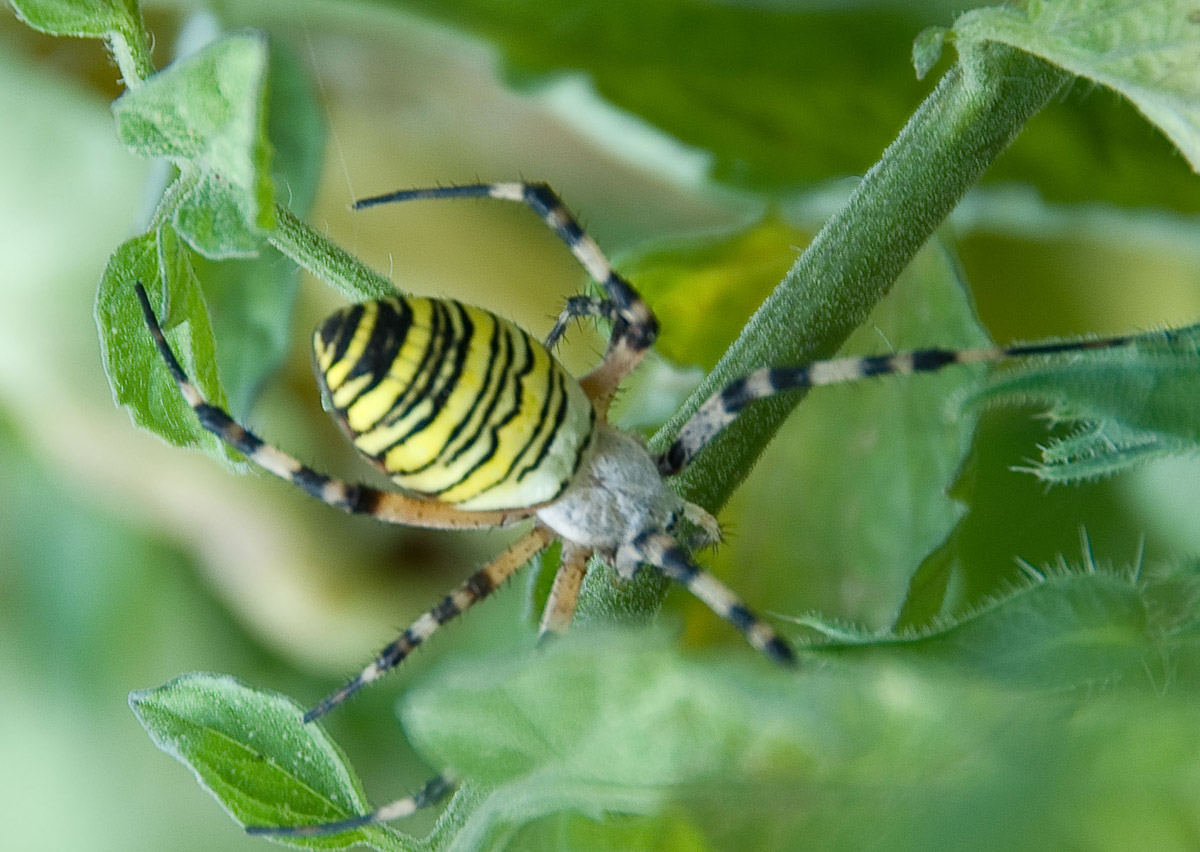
(453, 402)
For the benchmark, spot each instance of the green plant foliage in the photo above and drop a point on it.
(252, 298)
(917, 734)
(1129, 404)
(205, 114)
(250, 750)
(710, 287)
(94, 18)
(1149, 51)
(728, 82)
(888, 450)
(1059, 713)
(138, 377)
(1070, 629)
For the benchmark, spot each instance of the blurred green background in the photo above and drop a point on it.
(124, 562)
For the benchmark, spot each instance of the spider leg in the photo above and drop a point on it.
(723, 407)
(580, 306)
(389, 506)
(431, 793)
(662, 551)
(709, 528)
(564, 593)
(478, 586)
(635, 327)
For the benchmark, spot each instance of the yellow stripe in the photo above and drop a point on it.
(336, 374)
(448, 452)
(373, 412)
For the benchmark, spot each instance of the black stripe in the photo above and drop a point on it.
(363, 500)
(741, 618)
(928, 360)
(541, 198)
(489, 380)
(734, 397)
(1069, 346)
(452, 373)
(434, 790)
(381, 351)
(394, 654)
(338, 331)
(311, 481)
(673, 460)
(447, 609)
(876, 365)
(547, 399)
(383, 345)
(480, 585)
(494, 431)
(559, 418)
(501, 362)
(218, 422)
(678, 567)
(427, 370)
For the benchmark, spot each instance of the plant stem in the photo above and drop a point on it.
(972, 115)
(976, 110)
(327, 260)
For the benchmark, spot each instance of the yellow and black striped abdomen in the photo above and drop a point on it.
(453, 402)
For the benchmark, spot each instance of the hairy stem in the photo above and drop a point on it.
(958, 131)
(327, 260)
(972, 115)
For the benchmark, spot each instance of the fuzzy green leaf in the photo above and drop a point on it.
(915, 746)
(1131, 403)
(86, 18)
(250, 749)
(206, 114)
(927, 49)
(119, 22)
(1148, 50)
(1067, 630)
(139, 378)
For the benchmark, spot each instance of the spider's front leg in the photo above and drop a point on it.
(634, 324)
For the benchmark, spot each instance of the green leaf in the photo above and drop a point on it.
(739, 86)
(250, 749)
(88, 18)
(620, 731)
(1148, 50)
(760, 96)
(1067, 630)
(117, 21)
(206, 114)
(1130, 403)
(927, 49)
(139, 378)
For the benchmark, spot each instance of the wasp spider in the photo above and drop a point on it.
(480, 426)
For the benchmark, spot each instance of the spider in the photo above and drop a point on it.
(480, 426)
